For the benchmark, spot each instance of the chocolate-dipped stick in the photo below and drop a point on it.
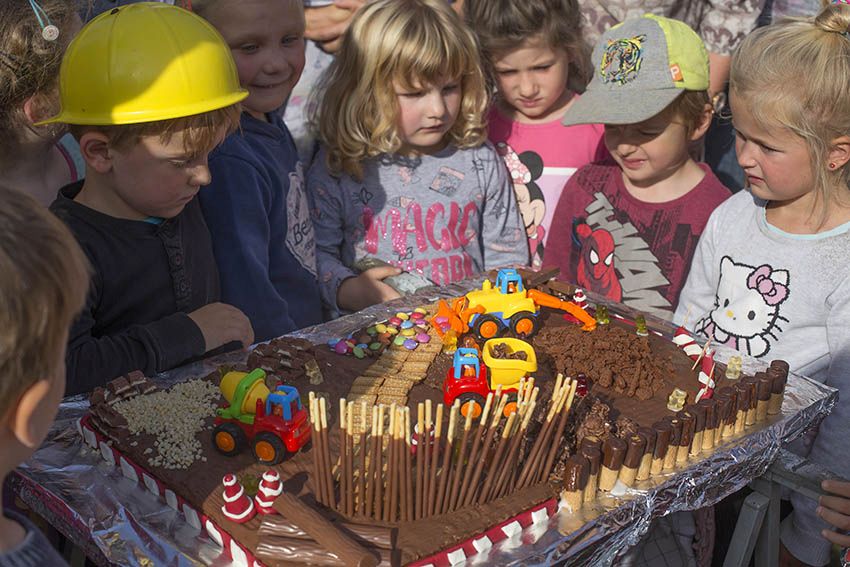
(420, 459)
(698, 412)
(725, 416)
(576, 474)
(675, 440)
(559, 432)
(485, 450)
(709, 406)
(752, 384)
(764, 387)
(435, 454)
(343, 444)
(613, 453)
(361, 479)
(390, 495)
(778, 373)
(425, 447)
(349, 459)
(447, 459)
(533, 457)
(688, 421)
(635, 448)
(496, 462)
(508, 471)
(742, 406)
(373, 458)
(594, 458)
(316, 477)
(408, 467)
(326, 453)
(645, 467)
(473, 454)
(663, 430)
(379, 467)
(459, 462)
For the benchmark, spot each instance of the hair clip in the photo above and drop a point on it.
(48, 31)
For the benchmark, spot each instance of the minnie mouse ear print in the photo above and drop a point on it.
(48, 31)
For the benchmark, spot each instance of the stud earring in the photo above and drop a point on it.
(831, 166)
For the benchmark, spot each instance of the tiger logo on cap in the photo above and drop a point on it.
(622, 60)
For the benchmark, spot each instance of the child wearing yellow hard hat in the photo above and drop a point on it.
(256, 206)
(149, 90)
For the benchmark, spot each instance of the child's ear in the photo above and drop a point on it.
(30, 420)
(839, 151)
(39, 107)
(703, 123)
(97, 151)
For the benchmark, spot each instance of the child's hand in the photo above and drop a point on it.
(836, 511)
(367, 289)
(327, 24)
(221, 323)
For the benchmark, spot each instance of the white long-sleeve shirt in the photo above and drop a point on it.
(775, 295)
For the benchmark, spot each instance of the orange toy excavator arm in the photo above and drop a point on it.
(546, 300)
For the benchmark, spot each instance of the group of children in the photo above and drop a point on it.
(449, 145)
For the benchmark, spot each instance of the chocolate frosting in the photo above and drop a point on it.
(626, 427)
(634, 453)
(752, 384)
(743, 391)
(764, 387)
(709, 406)
(663, 430)
(591, 442)
(613, 453)
(778, 377)
(699, 416)
(648, 435)
(725, 413)
(732, 394)
(594, 457)
(595, 422)
(688, 421)
(676, 434)
(576, 472)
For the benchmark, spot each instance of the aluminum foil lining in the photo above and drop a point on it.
(118, 521)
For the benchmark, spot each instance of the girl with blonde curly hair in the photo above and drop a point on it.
(405, 174)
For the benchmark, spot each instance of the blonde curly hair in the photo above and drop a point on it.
(410, 42)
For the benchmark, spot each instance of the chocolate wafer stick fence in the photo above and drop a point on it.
(384, 473)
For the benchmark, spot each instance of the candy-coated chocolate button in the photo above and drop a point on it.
(410, 344)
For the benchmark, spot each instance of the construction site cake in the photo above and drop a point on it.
(411, 440)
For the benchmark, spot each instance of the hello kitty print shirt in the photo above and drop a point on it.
(771, 294)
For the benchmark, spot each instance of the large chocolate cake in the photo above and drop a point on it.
(351, 496)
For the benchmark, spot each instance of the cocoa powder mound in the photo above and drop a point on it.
(613, 357)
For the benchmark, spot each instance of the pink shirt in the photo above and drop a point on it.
(541, 158)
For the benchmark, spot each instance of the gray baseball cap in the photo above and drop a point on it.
(640, 67)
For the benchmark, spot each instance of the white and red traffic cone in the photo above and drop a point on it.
(269, 489)
(237, 506)
(579, 298)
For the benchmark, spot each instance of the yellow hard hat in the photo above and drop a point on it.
(145, 62)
